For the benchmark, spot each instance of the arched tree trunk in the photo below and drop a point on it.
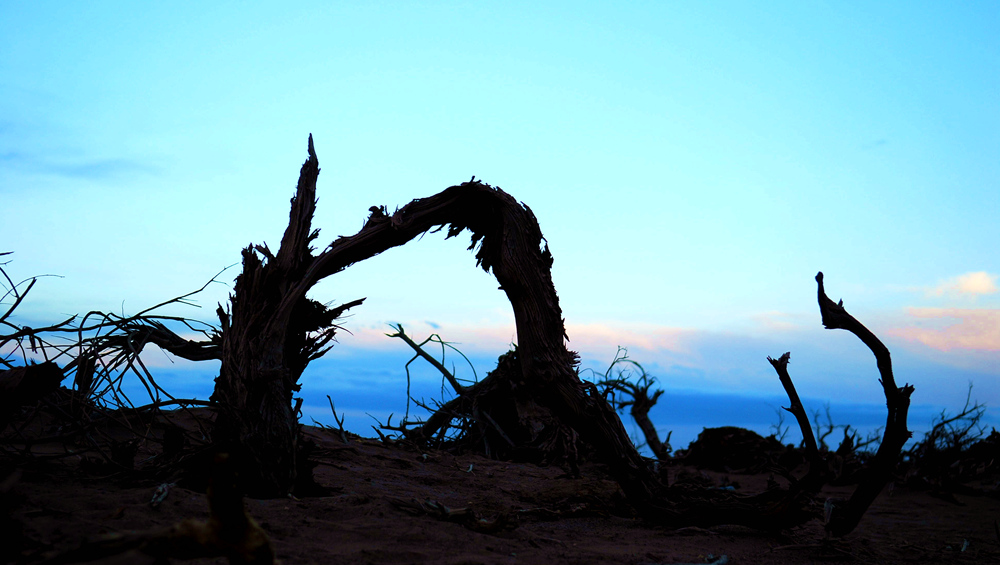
(273, 330)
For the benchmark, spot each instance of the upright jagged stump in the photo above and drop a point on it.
(271, 332)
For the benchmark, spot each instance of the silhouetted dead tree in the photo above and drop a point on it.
(635, 396)
(843, 517)
(96, 422)
(273, 331)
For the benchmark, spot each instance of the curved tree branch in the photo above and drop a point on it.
(844, 518)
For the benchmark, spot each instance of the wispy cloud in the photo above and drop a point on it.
(467, 338)
(969, 284)
(874, 144)
(955, 328)
(777, 321)
(584, 338)
(89, 169)
(600, 337)
(101, 168)
(685, 357)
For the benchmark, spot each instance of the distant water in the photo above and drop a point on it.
(367, 390)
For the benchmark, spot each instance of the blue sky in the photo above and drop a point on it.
(691, 165)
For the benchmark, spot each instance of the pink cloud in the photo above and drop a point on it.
(969, 284)
(966, 329)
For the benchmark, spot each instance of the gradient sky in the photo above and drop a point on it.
(692, 166)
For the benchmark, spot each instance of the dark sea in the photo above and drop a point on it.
(369, 387)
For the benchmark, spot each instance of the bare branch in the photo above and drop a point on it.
(843, 519)
(401, 334)
(781, 367)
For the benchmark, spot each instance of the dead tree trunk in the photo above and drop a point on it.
(266, 339)
(843, 516)
(640, 413)
(635, 396)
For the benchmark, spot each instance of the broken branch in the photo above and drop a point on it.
(844, 518)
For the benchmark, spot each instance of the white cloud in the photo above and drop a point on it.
(969, 284)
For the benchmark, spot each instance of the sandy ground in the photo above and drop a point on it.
(373, 515)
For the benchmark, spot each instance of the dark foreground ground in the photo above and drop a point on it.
(383, 508)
